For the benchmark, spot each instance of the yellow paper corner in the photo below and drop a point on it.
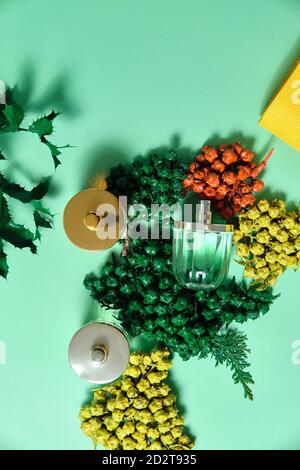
(282, 115)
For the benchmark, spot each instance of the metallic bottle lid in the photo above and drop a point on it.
(83, 215)
(99, 352)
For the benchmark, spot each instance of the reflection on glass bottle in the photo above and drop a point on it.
(201, 251)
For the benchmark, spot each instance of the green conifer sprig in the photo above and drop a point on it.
(231, 349)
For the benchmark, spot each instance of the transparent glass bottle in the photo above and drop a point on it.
(201, 250)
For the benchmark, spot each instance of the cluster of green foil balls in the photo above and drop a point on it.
(156, 179)
(142, 287)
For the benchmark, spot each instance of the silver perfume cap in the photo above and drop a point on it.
(99, 352)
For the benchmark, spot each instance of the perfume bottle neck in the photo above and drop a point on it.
(203, 214)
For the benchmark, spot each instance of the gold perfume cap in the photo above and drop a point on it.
(83, 215)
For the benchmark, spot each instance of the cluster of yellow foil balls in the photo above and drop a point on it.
(268, 241)
(138, 411)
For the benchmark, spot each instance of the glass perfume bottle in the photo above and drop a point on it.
(201, 250)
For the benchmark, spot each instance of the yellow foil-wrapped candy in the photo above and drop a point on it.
(262, 273)
(111, 404)
(145, 416)
(110, 423)
(176, 431)
(122, 403)
(85, 413)
(152, 392)
(129, 444)
(169, 400)
(167, 439)
(171, 411)
(141, 445)
(274, 229)
(161, 416)
(142, 385)
(297, 243)
(237, 235)
(164, 389)
(147, 360)
(271, 257)
(253, 213)
(112, 443)
(282, 236)
(292, 262)
(178, 421)
(102, 435)
(155, 405)
(135, 358)
(138, 436)
(288, 248)
(165, 427)
(153, 433)
(259, 262)
(126, 384)
(245, 226)
(257, 249)
(156, 377)
(295, 231)
(155, 445)
(242, 250)
(276, 246)
(184, 440)
(112, 388)
(118, 415)
(132, 392)
(157, 355)
(140, 403)
(129, 427)
(263, 237)
(249, 271)
(133, 371)
(263, 205)
(274, 212)
(130, 412)
(164, 365)
(98, 409)
(86, 429)
(94, 424)
(99, 395)
(289, 222)
(263, 220)
(141, 428)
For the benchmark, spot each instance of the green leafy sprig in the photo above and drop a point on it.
(11, 120)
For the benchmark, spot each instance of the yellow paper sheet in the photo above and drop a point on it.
(282, 116)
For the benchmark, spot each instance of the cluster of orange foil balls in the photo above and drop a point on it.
(227, 175)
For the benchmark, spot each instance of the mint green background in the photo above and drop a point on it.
(129, 75)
